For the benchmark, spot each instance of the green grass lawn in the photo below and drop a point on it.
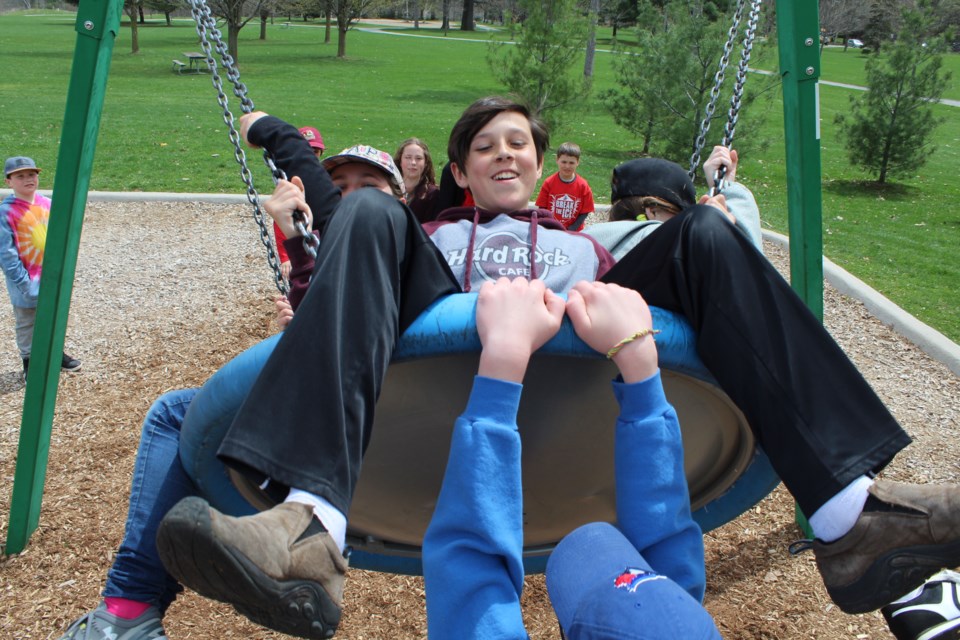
(164, 132)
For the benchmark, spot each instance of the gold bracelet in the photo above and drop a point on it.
(615, 349)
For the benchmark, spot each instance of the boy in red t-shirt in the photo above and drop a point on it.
(565, 194)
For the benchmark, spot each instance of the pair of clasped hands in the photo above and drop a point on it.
(517, 317)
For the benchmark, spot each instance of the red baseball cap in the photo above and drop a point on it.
(313, 137)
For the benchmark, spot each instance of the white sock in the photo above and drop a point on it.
(837, 516)
(331, 517)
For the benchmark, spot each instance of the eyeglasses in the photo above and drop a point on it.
(657, 209)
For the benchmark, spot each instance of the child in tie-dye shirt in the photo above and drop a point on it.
(23, 236)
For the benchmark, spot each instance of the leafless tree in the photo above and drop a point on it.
(236, 13)
(166, 7)
(132, 9)
(348, 12)
(842, 18)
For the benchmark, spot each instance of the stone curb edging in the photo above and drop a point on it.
(928, 339)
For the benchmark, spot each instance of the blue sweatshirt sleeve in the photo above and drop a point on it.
(472, 550)
(653, 504)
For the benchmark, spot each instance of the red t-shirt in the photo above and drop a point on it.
(567, 201)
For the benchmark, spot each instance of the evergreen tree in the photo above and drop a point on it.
(889, 130)
(541, 68)
(665, 83)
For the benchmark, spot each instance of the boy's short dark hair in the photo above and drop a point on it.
(569, 149)
(476, 117)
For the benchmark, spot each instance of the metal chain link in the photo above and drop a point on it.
(715, 91)
(207, 31)
(735, 99)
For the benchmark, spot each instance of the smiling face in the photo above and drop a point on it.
(356, 175)
(24, 183)
(502, 168)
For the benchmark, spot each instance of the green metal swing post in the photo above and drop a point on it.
(798, 26)
(98, 22)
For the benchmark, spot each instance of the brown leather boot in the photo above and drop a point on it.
(263, 564)
(905, 534)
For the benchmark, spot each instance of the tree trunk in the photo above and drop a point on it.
(647, 137)
(134, 34)
(341, 42)
(233, 39)
(466, 19)
(592, 40)
(416, 14)
(614, 28)
(263, 24)
(167, 15)
(446, 17)
(140, 13)
(326, 31)
(885, 156)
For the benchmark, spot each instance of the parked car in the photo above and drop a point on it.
(856, 44)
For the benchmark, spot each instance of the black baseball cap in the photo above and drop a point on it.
(653, 177)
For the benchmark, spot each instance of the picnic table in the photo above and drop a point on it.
(197, 61)
(196, 64)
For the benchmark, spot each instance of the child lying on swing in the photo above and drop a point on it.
(822, 426)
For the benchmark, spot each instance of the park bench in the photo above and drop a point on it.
(179, 66)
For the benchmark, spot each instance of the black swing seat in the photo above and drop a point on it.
(566, 419)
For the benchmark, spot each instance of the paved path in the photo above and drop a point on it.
(855, 87)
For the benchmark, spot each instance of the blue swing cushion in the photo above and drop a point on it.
(566, 419)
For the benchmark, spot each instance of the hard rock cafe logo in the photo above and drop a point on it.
(504, 254)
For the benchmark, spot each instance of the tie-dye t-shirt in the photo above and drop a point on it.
(23, 237)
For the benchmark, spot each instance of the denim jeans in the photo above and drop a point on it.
(159, 482)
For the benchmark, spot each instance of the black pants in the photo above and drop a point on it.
(815, 416)
(307, 421)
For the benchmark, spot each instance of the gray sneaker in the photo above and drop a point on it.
(280, 567)
(101, 625)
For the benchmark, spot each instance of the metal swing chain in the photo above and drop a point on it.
(715, 91)
(735, 99)
(207, 30)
